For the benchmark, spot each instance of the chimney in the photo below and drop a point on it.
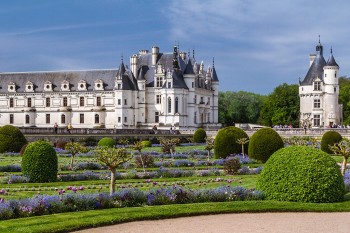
(155, 52)
(312, 58)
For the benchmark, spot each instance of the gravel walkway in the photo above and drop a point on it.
(240, 223)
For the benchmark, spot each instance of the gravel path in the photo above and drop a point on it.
(240, 223)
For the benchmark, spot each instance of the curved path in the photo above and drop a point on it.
(242, 223)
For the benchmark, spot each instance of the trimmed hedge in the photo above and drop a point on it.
(39, 162)
(199, 135)
(263, 143)
(107, 141)
(11, 139)
(226, 142)
(330, 138)
(301, 174)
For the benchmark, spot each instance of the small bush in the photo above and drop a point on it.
(39, 162)
(148, 160)
(89, 141)
(146, 143)
(231, 166)
(301, 174)
(263, 143)
(226, 142)
(199, 135)
(109, 142)
(11, 139)
(329, 139)
(61, 144)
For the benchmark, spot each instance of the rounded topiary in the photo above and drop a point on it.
(109, 142)
(146, 143)
(263, 143)
(199, 135)
(11, 139)
(329, 139)
(301, 174)
(226, 142)
(39, 162)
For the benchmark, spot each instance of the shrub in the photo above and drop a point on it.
(232, 165)
(148, 160)
(146, 143)
(263, 143)
(61, 144)
(301, 174)
(39, 162)
(109, 142)
(199, 135)
(90, 141)
(11, 139)
(329, 139)
(226, 142)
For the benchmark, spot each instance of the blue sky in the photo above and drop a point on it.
(257, 45)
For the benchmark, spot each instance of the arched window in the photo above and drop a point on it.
(97, 119)
(63, 119)
(169, 105)
(176, 105)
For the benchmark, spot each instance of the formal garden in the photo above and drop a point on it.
(67, 185)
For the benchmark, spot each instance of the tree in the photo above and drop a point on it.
(209, 145)
(342, 148)
(74, 148)
(344, 98)
(282, 106)
(168, 144)
(139, 146)
(112, 158)
(242, 142)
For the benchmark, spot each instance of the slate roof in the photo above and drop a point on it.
(56, 78)
(214, 76)
(315, 70)
(189, 68)
(331, 61)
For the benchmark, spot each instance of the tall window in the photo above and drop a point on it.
(97, 119)
(48, 102)
(176, 105)
(47, 118)
(317, 120)
(29, 102)
(81, 101)
(125, 119)
(317, 86)
(195, 99)
(81, 118)
(63, 119)
(169, 105)
(202, 100)
(195, 118)
(125, 102)
(11, 119)
(11, 102)
(98, 101)
(65, 101)
(317, 103)
(119, 119)
(158, 99)
(27, 119)
(119, 101)
(156, 117)
(159, 82)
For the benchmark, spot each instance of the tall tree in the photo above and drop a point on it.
(344, 98)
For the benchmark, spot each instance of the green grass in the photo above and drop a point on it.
(86, 219)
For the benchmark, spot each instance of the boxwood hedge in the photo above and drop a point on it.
(11, 139)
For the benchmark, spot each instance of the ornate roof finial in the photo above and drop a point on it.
(213, 61)
(319, 39)
(189, 53)
(331, 50)
(122, 57)
(193, 53)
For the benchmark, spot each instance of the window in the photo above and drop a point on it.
(125, 119)
(125, 102)
(29, 102)
(98, 101)
(11, 102)
(158, 99)
(317, 120)
(325, 75)
(47, 118)
(195, 118)
(119, 119)
(156, 117)
(208, 100)
(48, 102)
(335, 74)
(317, 103)
(169, 84)
(63, 119)
(81, 118)
(81, 101)
(202, 101)
(192, 84)
(11, 119)
(176, 105)
(317, 86)
(119, 86)
(97, 119)
(169, 105)
(65, 101)
(335, 90)
(119, 101)
(195, 99)
(27, 119)
(159, 82)
(208, 117)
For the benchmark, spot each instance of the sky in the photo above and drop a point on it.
(256, 45)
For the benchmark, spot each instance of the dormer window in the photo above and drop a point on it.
(29, 87)
(65, 86)
(47, 86)
(317, 86)
(99, 85)
(11, 87)
(82, 85)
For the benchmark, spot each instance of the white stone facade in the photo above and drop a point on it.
(160, 89)
(319, 92)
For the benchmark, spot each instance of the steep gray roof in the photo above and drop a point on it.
(189, 68)
(56, 78)
(315, 70)
(214, 76)
(331, 61)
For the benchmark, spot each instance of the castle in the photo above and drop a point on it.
(319, 92)
(159, 89)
